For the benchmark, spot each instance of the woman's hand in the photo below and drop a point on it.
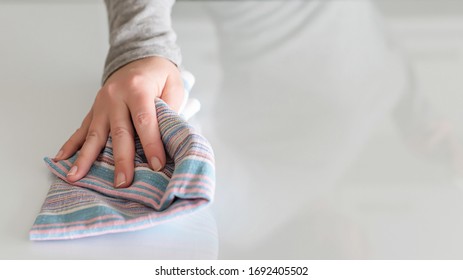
(124, 103)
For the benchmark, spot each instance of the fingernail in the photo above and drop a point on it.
(120, 179)
(156, 164)
(73, 171)
(59, 154)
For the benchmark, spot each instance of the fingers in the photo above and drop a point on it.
(76, 140)
(125, 102)
(123, 146)
(145, 121)
(91, 138)
(94, 142)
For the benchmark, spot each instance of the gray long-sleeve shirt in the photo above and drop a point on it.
(138, 29)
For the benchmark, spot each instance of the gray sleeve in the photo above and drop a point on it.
(138, 29)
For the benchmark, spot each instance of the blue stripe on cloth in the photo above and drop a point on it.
(92, 206)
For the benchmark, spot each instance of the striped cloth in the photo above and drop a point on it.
(92, 206)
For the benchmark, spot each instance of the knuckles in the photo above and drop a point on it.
(93, 134)
(143, 118)
(135, 82)
(132, 85)
(122, 161)
(120, 132)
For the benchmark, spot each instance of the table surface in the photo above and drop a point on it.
(311, 160)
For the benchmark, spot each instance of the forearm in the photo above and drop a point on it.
(138, 29)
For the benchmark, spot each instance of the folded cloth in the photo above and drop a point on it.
(92, 206)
